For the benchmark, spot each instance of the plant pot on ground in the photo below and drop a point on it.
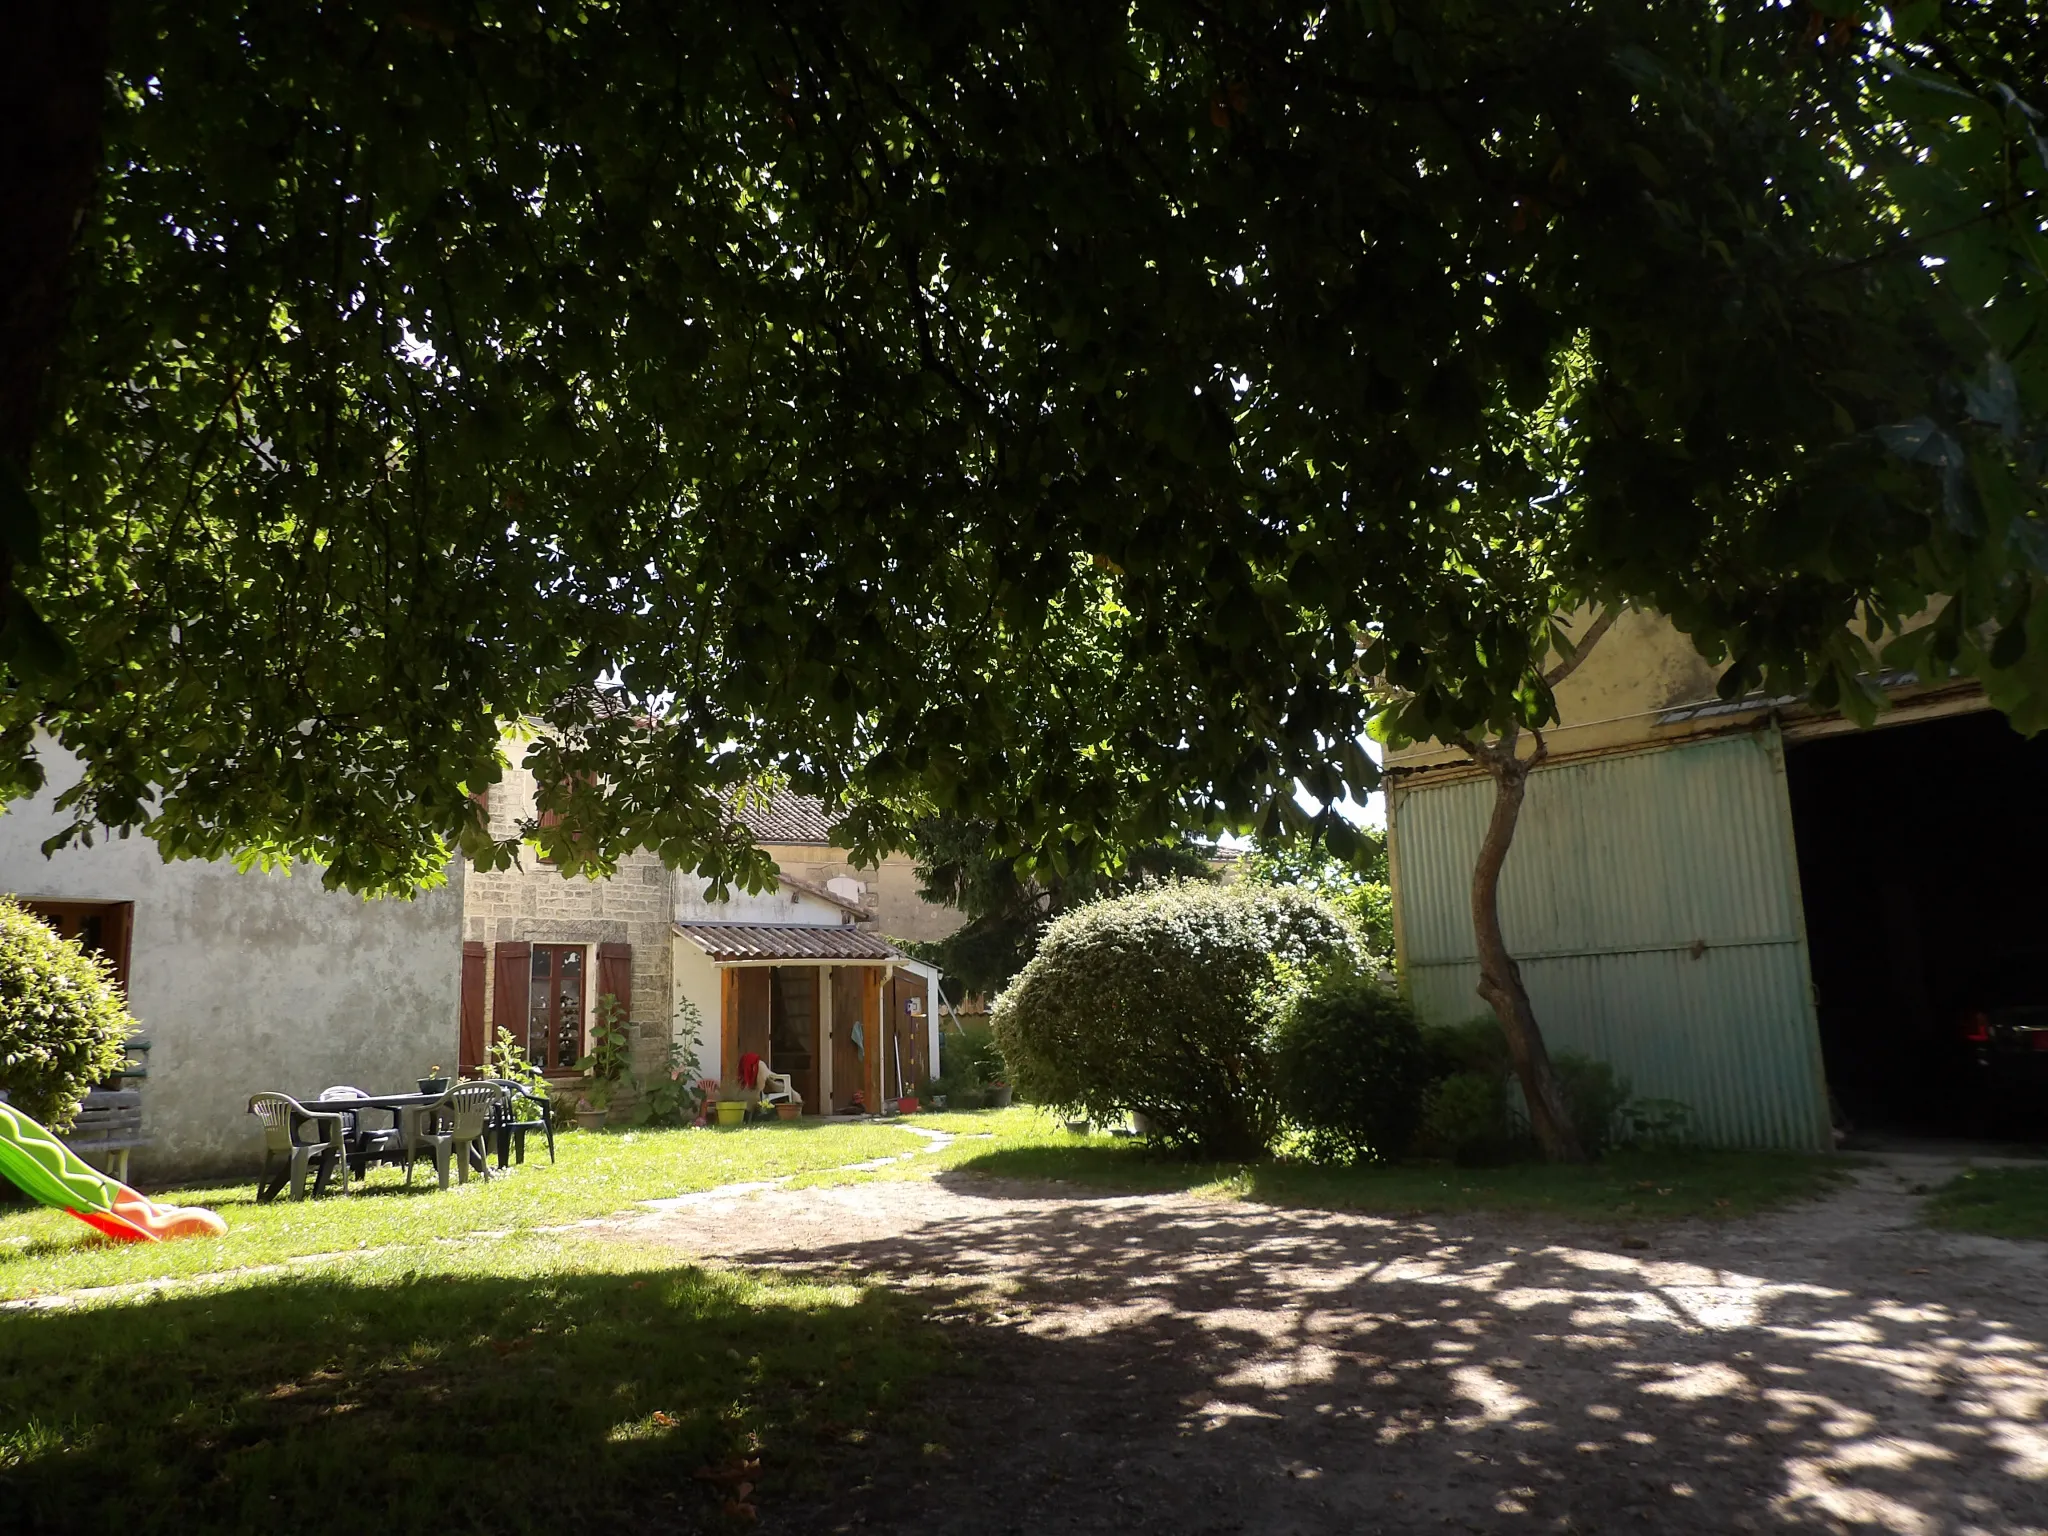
(998, 1095)
(590, 1116)
(788, 1111)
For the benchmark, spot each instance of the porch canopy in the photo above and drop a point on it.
(732, 943)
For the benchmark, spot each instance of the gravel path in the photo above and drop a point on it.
(1172, 1364)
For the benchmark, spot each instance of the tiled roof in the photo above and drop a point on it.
(769, 941)
(790, 818)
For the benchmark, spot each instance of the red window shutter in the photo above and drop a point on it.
(615, 974)
(472, 1045)
(510, 988)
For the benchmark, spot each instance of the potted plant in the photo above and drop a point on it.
(998, 1094)
(591, 1108)
(433, 1082)
(908, 1103)
(788, 1111)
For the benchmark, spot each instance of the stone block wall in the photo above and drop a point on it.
(537, 903)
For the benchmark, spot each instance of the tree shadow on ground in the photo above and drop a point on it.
(1175, 1365)
(440, 1402)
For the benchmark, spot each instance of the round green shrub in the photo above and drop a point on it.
(1351, 1068)
(62, 1020)
(1163, 1002)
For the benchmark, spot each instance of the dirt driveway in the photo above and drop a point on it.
(1170, 1364)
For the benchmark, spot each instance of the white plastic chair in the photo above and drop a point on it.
(285, 1122)
(776, 1088)
(468, 1108)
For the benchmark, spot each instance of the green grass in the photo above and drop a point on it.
(42, 1251)
(469, 1360)
(531, 1383)
(1997, 1202)
(1634, 1186)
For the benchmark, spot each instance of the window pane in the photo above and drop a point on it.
(537, 1005)
(569, 1022)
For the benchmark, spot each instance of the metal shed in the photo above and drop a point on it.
(1652, 899)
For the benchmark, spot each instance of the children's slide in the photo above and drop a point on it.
(47, 1170)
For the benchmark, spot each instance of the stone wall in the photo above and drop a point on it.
(537, 903)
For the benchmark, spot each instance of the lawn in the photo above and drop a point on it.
(1997, 1202)
(534, 1383)
(1628, 1186)
(42, 1252)
(474, 1360)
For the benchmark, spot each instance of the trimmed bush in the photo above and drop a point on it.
(1163, 1002)
(62, 1020)
(1351, 1069)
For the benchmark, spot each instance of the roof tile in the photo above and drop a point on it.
(790, 818)
(769, 941)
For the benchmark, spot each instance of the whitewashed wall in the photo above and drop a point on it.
(247, 982)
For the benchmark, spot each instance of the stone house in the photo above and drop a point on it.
(801, 975)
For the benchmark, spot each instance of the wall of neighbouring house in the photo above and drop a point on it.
(782, 906)
(536, 903)
(250, 982)
(891, 894)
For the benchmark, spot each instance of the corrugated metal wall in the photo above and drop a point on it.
(1652, 899)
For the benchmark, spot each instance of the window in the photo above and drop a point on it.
(100, 927)
(554, 1007)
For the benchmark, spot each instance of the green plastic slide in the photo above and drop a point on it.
(48, 1171)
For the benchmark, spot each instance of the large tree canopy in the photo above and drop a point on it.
(1079, 417)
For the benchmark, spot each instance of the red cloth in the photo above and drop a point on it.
(750, 1070)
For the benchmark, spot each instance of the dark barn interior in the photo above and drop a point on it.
(1922, 855)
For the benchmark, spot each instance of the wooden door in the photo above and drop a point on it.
(753, 1013)
(907, 1030)
(793, 1031)
(849, 1062)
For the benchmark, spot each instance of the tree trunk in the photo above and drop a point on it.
(1500, 979)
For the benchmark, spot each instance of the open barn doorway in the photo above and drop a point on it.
(1922, 850)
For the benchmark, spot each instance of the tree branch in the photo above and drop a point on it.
(1570, 664)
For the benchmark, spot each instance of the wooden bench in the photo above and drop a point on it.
(109, 1122)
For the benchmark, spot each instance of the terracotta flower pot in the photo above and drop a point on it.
(788, 1111)
(907, 1105)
